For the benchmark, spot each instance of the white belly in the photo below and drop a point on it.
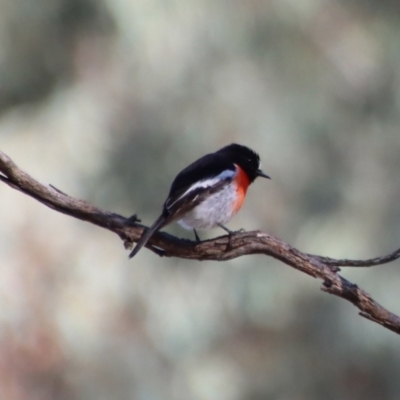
(217, 209)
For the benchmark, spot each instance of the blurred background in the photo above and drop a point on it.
(108, 100)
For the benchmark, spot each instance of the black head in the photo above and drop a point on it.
(246, 158)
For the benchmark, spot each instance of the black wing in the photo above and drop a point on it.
(181, 199)
(204, 168)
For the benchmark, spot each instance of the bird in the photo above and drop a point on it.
(209, 192)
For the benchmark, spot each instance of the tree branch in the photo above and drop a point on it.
(358, 263)
(219, 249)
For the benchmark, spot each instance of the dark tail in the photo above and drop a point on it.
(148, 234)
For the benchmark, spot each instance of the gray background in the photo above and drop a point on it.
(108, 100)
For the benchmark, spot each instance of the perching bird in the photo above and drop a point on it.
(209, 192)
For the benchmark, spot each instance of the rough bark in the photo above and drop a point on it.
(219, 249)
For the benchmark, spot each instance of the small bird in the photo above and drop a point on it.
(208, 192)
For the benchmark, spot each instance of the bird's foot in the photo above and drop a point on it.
(230, 234)
(229, 231)
(132, 220)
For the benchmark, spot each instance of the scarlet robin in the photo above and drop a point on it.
(208, 192)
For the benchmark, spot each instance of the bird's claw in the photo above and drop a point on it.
(133, 219)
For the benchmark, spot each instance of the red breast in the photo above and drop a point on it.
(242, 182)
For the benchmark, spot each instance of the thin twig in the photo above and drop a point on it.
(372, 262)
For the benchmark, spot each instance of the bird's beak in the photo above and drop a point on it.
(260, 173)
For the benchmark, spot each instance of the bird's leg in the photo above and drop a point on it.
(230, 232)
(196, 236)
(132, 220)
